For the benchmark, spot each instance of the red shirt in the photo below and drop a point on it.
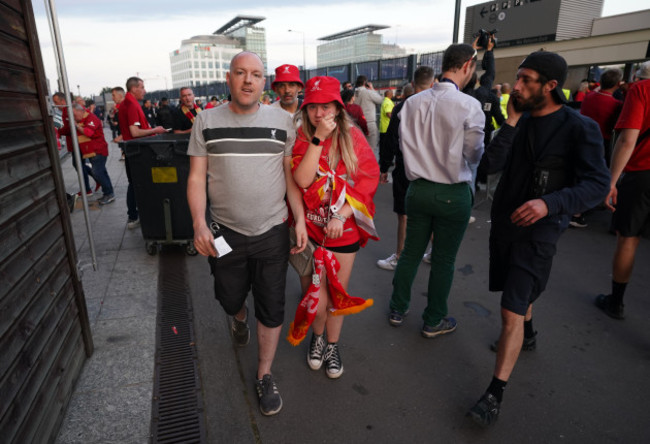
(636, 115)
(365, 183)
(131, 113)
(91, 139)
(604, 109)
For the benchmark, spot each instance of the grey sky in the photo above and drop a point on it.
(107, 41)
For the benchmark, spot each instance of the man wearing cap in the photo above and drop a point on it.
(553, 166)
(629, 198)
(242, 153)
(287, 85)
(643, 73)
(441, 139)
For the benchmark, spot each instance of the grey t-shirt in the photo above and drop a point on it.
(246, 183)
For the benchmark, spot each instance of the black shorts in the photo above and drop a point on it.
(400, 185)
(632, 215)
(352, 248)
(520, 270)
(257, 262)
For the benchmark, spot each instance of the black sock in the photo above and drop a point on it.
(528, 329)
(618, 289)
(496, 388)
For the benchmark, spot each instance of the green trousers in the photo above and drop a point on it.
(442, 210)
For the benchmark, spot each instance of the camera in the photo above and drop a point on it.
(485, 36)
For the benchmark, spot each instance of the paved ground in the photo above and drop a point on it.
(586, 382)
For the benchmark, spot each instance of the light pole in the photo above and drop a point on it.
(456, 21)
(304, 63)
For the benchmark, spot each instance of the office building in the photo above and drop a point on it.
(205, 59)
(355, 45)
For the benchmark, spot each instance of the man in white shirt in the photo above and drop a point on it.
(441, 138)
(368, 99)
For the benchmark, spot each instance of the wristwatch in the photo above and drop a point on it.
(315, 140)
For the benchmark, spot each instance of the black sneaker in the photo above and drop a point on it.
(447, 325)
(529, 344)
(578, 222)
(269, 396)
(316, 351)
(240, 331)
(611, 308)
(486, 411)
(333, 365)
(395, 318)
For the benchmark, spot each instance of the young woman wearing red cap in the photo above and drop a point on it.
(338, 174)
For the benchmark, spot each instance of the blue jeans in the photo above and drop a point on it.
(100, 174)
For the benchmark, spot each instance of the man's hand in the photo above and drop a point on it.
(490, 45)
(475, 43)
(529, 213)
(301, 238)
(612, 198)
(159, 130)
(204, 241)
(383, 178)
(513, 114)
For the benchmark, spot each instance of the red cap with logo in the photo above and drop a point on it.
(322, 89)
(287, 73)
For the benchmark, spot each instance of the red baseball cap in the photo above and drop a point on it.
(287, 73)
(322, 89)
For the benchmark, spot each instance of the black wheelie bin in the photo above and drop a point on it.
(159, 167)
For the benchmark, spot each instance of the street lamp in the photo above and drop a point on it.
(456, 21)
(304, 63)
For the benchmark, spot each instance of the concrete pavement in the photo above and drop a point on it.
(586, 382)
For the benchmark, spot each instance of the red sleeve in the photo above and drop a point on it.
(635, 108)
(299, 149)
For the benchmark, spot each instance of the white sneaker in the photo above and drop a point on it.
(389, 263)
(427, 257)
(132, 224)
(472, 219)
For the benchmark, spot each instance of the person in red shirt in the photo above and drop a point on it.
(337, 171)
(134, 124)
(94, 148)
(60, 102)
(602, 107)
(629, 199)
(354, 110)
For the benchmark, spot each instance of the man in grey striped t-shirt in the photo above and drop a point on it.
(242, 151)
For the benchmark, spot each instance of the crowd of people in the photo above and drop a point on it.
(293, 182)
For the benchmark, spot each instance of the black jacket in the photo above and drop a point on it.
(570, 163)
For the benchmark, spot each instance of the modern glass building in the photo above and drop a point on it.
(205, 59)
(355, 45)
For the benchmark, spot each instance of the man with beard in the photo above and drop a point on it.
(287, 85)
(553, 166)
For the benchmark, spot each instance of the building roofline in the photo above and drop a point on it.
(355, 31)
(238, 22)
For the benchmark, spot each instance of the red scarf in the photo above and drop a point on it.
(344, 304)
(188, 112)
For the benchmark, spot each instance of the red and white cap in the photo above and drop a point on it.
(322, 89)
(287, 73)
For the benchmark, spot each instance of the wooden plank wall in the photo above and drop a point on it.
(44, 329)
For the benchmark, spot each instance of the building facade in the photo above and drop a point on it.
(205, 59)
(355, 45)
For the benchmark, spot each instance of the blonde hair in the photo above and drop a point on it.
(342, 145)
